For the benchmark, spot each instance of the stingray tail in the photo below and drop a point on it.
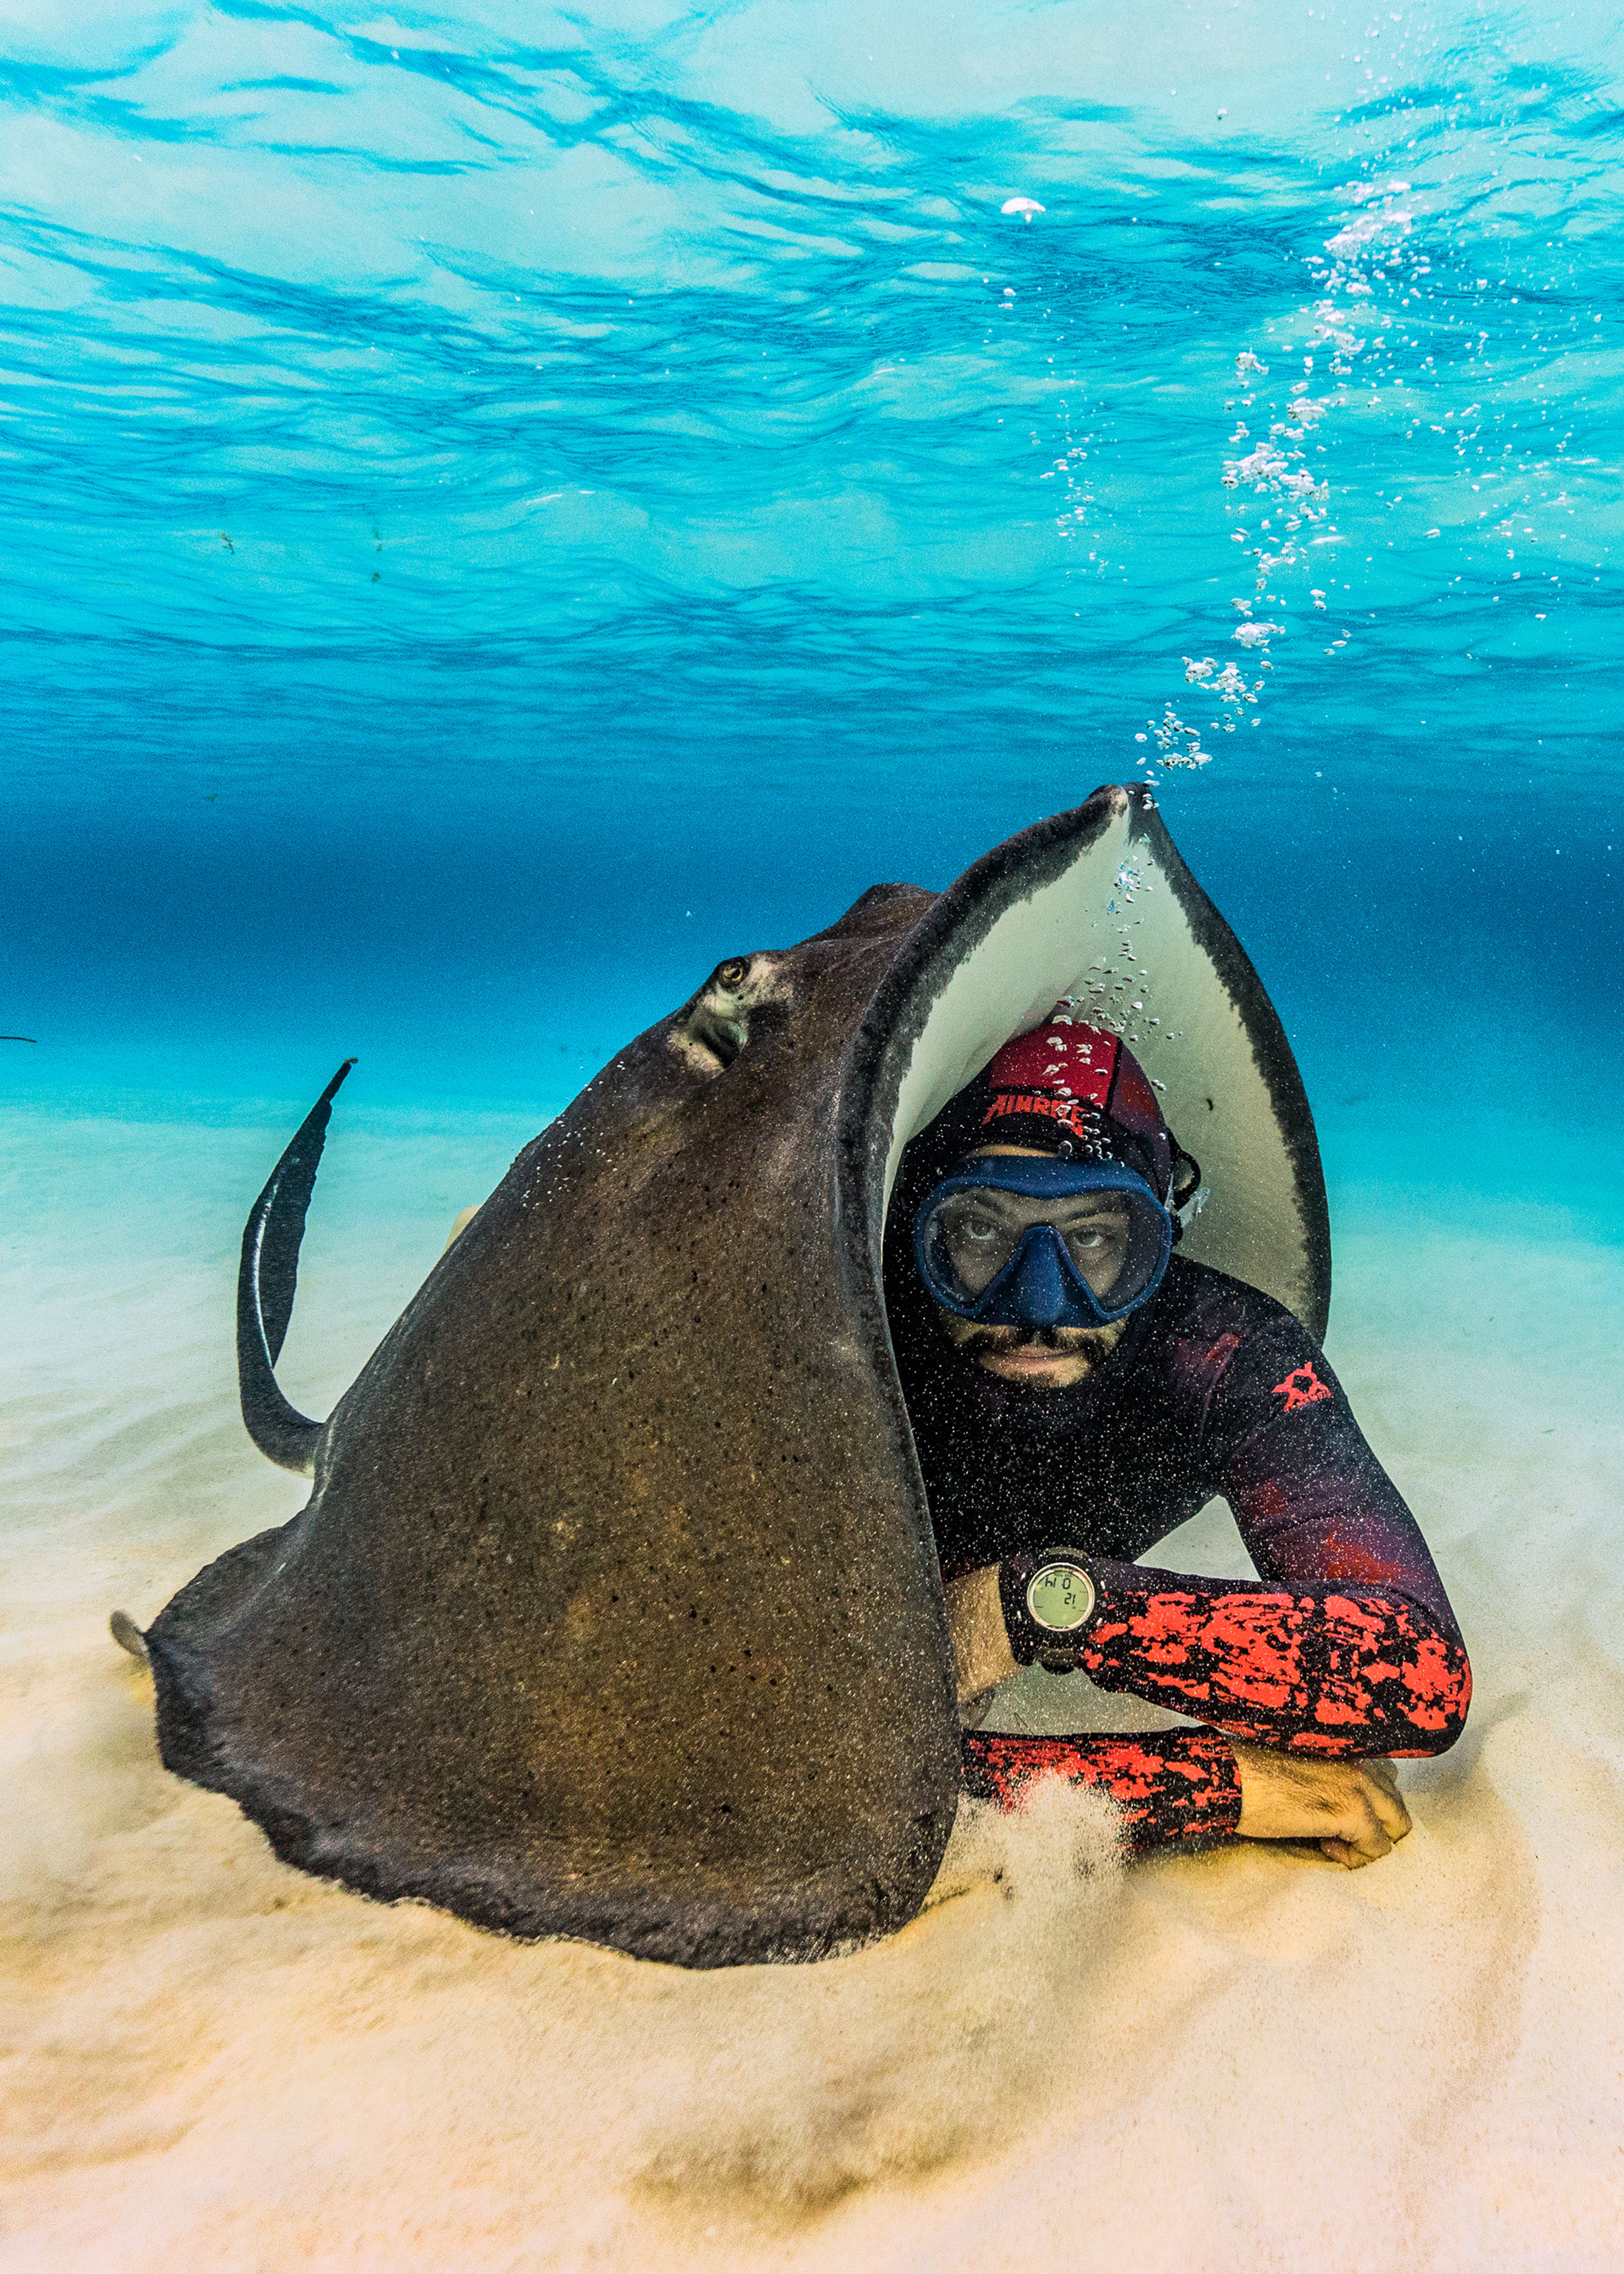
(264, 1290)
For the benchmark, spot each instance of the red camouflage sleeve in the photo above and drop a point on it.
(1346, 1645)
(1322, 1671)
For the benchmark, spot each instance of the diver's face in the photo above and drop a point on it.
(1095, 1229)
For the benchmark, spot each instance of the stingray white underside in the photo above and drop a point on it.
(1109, 932)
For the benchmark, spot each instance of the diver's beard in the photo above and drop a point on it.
(1088, 1344)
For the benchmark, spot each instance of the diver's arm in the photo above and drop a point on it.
(1330, 1672)
(1363, 1654)
(1313, 1503)
(1178, 1788)
(1181, 1788)
(1346, 1646)
(1174, 1787)
(1190, 1789)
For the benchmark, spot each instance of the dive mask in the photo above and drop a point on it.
(1038, 1241)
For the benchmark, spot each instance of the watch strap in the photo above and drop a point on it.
(1014, 1576)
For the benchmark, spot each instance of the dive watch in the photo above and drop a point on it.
(1053, 1602)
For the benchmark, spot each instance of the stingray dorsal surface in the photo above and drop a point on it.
(614, 1611)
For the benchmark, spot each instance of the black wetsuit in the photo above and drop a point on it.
(1345, 1645)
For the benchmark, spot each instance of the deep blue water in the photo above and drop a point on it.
(503, 508)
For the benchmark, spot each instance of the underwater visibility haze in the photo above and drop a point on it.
(505, 508)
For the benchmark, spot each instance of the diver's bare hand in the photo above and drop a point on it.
(1353, 1809)
(982, 1653)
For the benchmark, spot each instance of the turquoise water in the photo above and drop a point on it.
(504, 508)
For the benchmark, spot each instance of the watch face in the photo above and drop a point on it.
(1060, 1597)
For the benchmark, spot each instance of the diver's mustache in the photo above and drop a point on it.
(1013, 1339)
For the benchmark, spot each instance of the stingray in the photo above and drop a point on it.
(614, 1611)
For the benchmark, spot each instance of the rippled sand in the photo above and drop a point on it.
(1247, 2060)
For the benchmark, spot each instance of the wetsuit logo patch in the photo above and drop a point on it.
(1301, 1387)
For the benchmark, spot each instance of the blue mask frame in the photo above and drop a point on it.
(1040, 1287)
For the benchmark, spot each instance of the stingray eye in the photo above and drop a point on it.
(715, 1026)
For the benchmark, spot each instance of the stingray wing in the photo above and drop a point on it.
(615, 1610)
(1097, 905)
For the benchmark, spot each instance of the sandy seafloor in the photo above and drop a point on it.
(1253, 2059)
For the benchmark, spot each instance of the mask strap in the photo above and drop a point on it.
(1187, 1195)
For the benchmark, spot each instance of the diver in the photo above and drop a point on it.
(1078, 1390)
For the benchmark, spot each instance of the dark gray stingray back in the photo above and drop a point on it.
(614, 1611)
